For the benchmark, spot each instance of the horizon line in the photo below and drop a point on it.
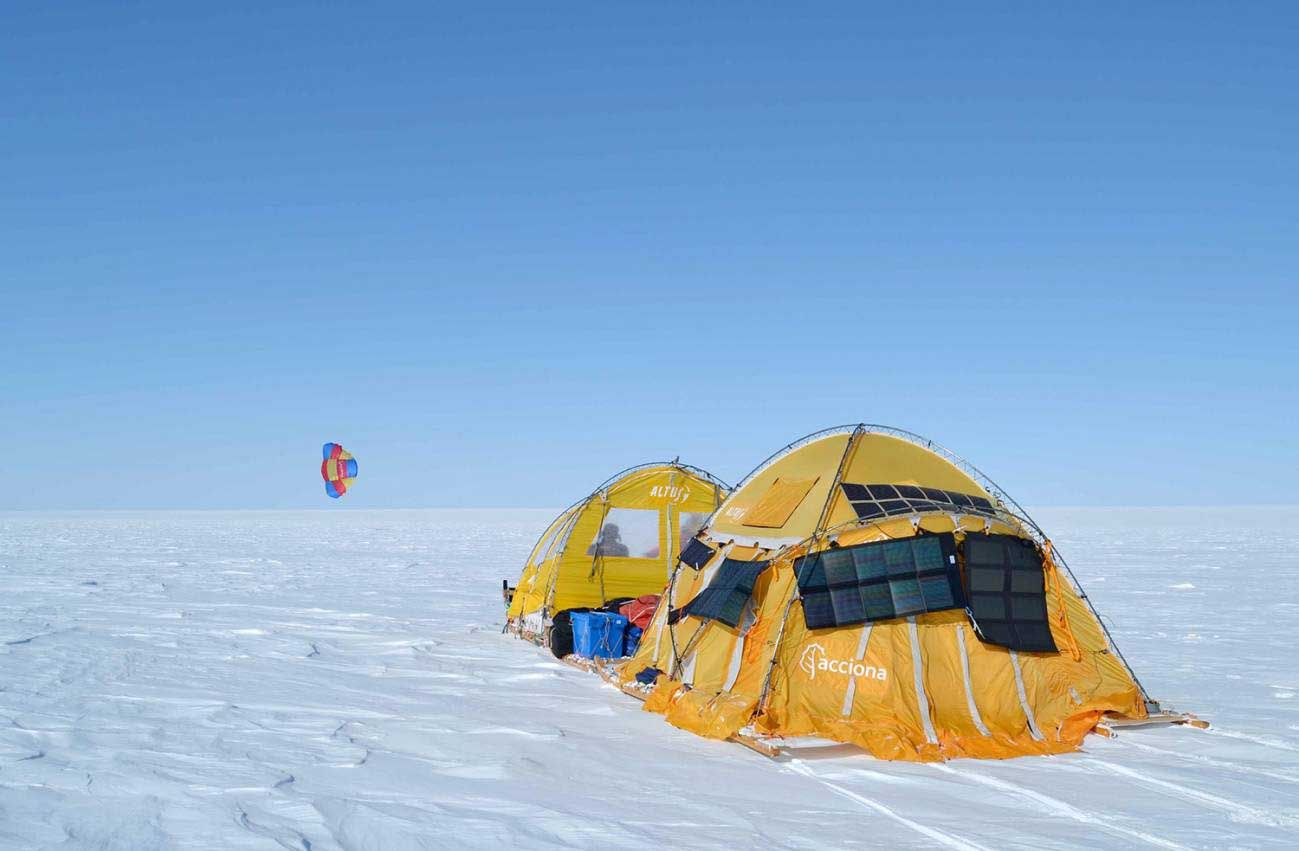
(4, 510)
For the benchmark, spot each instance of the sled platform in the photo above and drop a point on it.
(751, 742)
(581, 663)
(755, 744)
(1109, 723)
(1107, 727)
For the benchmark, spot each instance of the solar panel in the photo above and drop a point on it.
(872, 501)
(885, 579)
(724, 598)
(696, 554)
(855, 492)
(1007, 592)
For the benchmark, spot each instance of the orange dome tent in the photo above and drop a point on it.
(866, 586)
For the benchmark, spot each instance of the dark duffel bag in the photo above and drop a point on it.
(561, 632)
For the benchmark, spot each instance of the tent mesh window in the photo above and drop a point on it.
(885, 579)
(696, 554)
(1007, 592)
(724, 598)
(871, 501)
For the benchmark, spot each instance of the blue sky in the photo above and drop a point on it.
(501, 251)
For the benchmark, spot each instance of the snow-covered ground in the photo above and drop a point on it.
(337, 679)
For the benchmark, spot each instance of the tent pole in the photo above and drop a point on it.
(848, 452)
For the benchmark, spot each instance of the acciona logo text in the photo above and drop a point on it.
(814, 659)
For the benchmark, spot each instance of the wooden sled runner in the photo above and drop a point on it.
(1110, 723)
(582, 663)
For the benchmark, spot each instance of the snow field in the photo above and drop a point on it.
(337, 679)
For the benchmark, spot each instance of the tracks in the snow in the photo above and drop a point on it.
(1233, 809)
(1057, 807)
(1104, 822)
(941, 837)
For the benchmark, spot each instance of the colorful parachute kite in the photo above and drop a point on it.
(338, 470)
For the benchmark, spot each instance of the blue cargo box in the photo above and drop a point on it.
(598, 634)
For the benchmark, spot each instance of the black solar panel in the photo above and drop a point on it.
(1007, 592)
(696, 554)
(871, 501)
(885, 579)
(724, 598)
(855, 492)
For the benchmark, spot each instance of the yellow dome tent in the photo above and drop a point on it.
(866, 586)
(618, 542)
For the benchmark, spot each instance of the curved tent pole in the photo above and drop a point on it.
(597, 561)
(1019, 512)
(779, 453)
(562, 535)
(636, 468)
(695, 471)
(531, 555)
(559, 547)
(1035, 531)
(666, 604)
(597, 558)
(676, 570)
(773, 457)
(848, 452)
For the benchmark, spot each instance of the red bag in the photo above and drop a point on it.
(640, 612)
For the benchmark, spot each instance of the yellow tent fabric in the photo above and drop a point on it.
(775, 507)
(619, 541)
(924, 687)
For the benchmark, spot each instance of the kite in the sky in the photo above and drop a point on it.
(338, 470)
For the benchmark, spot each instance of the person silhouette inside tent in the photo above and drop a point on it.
(609, 542)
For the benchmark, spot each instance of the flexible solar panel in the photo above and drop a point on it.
(884, 579)
(724, 598)
(872, 501)
(696, 554)
(1007, 592)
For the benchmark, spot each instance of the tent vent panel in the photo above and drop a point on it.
(778, 503)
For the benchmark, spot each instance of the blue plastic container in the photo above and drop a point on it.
(598, 634)
(631, 640)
